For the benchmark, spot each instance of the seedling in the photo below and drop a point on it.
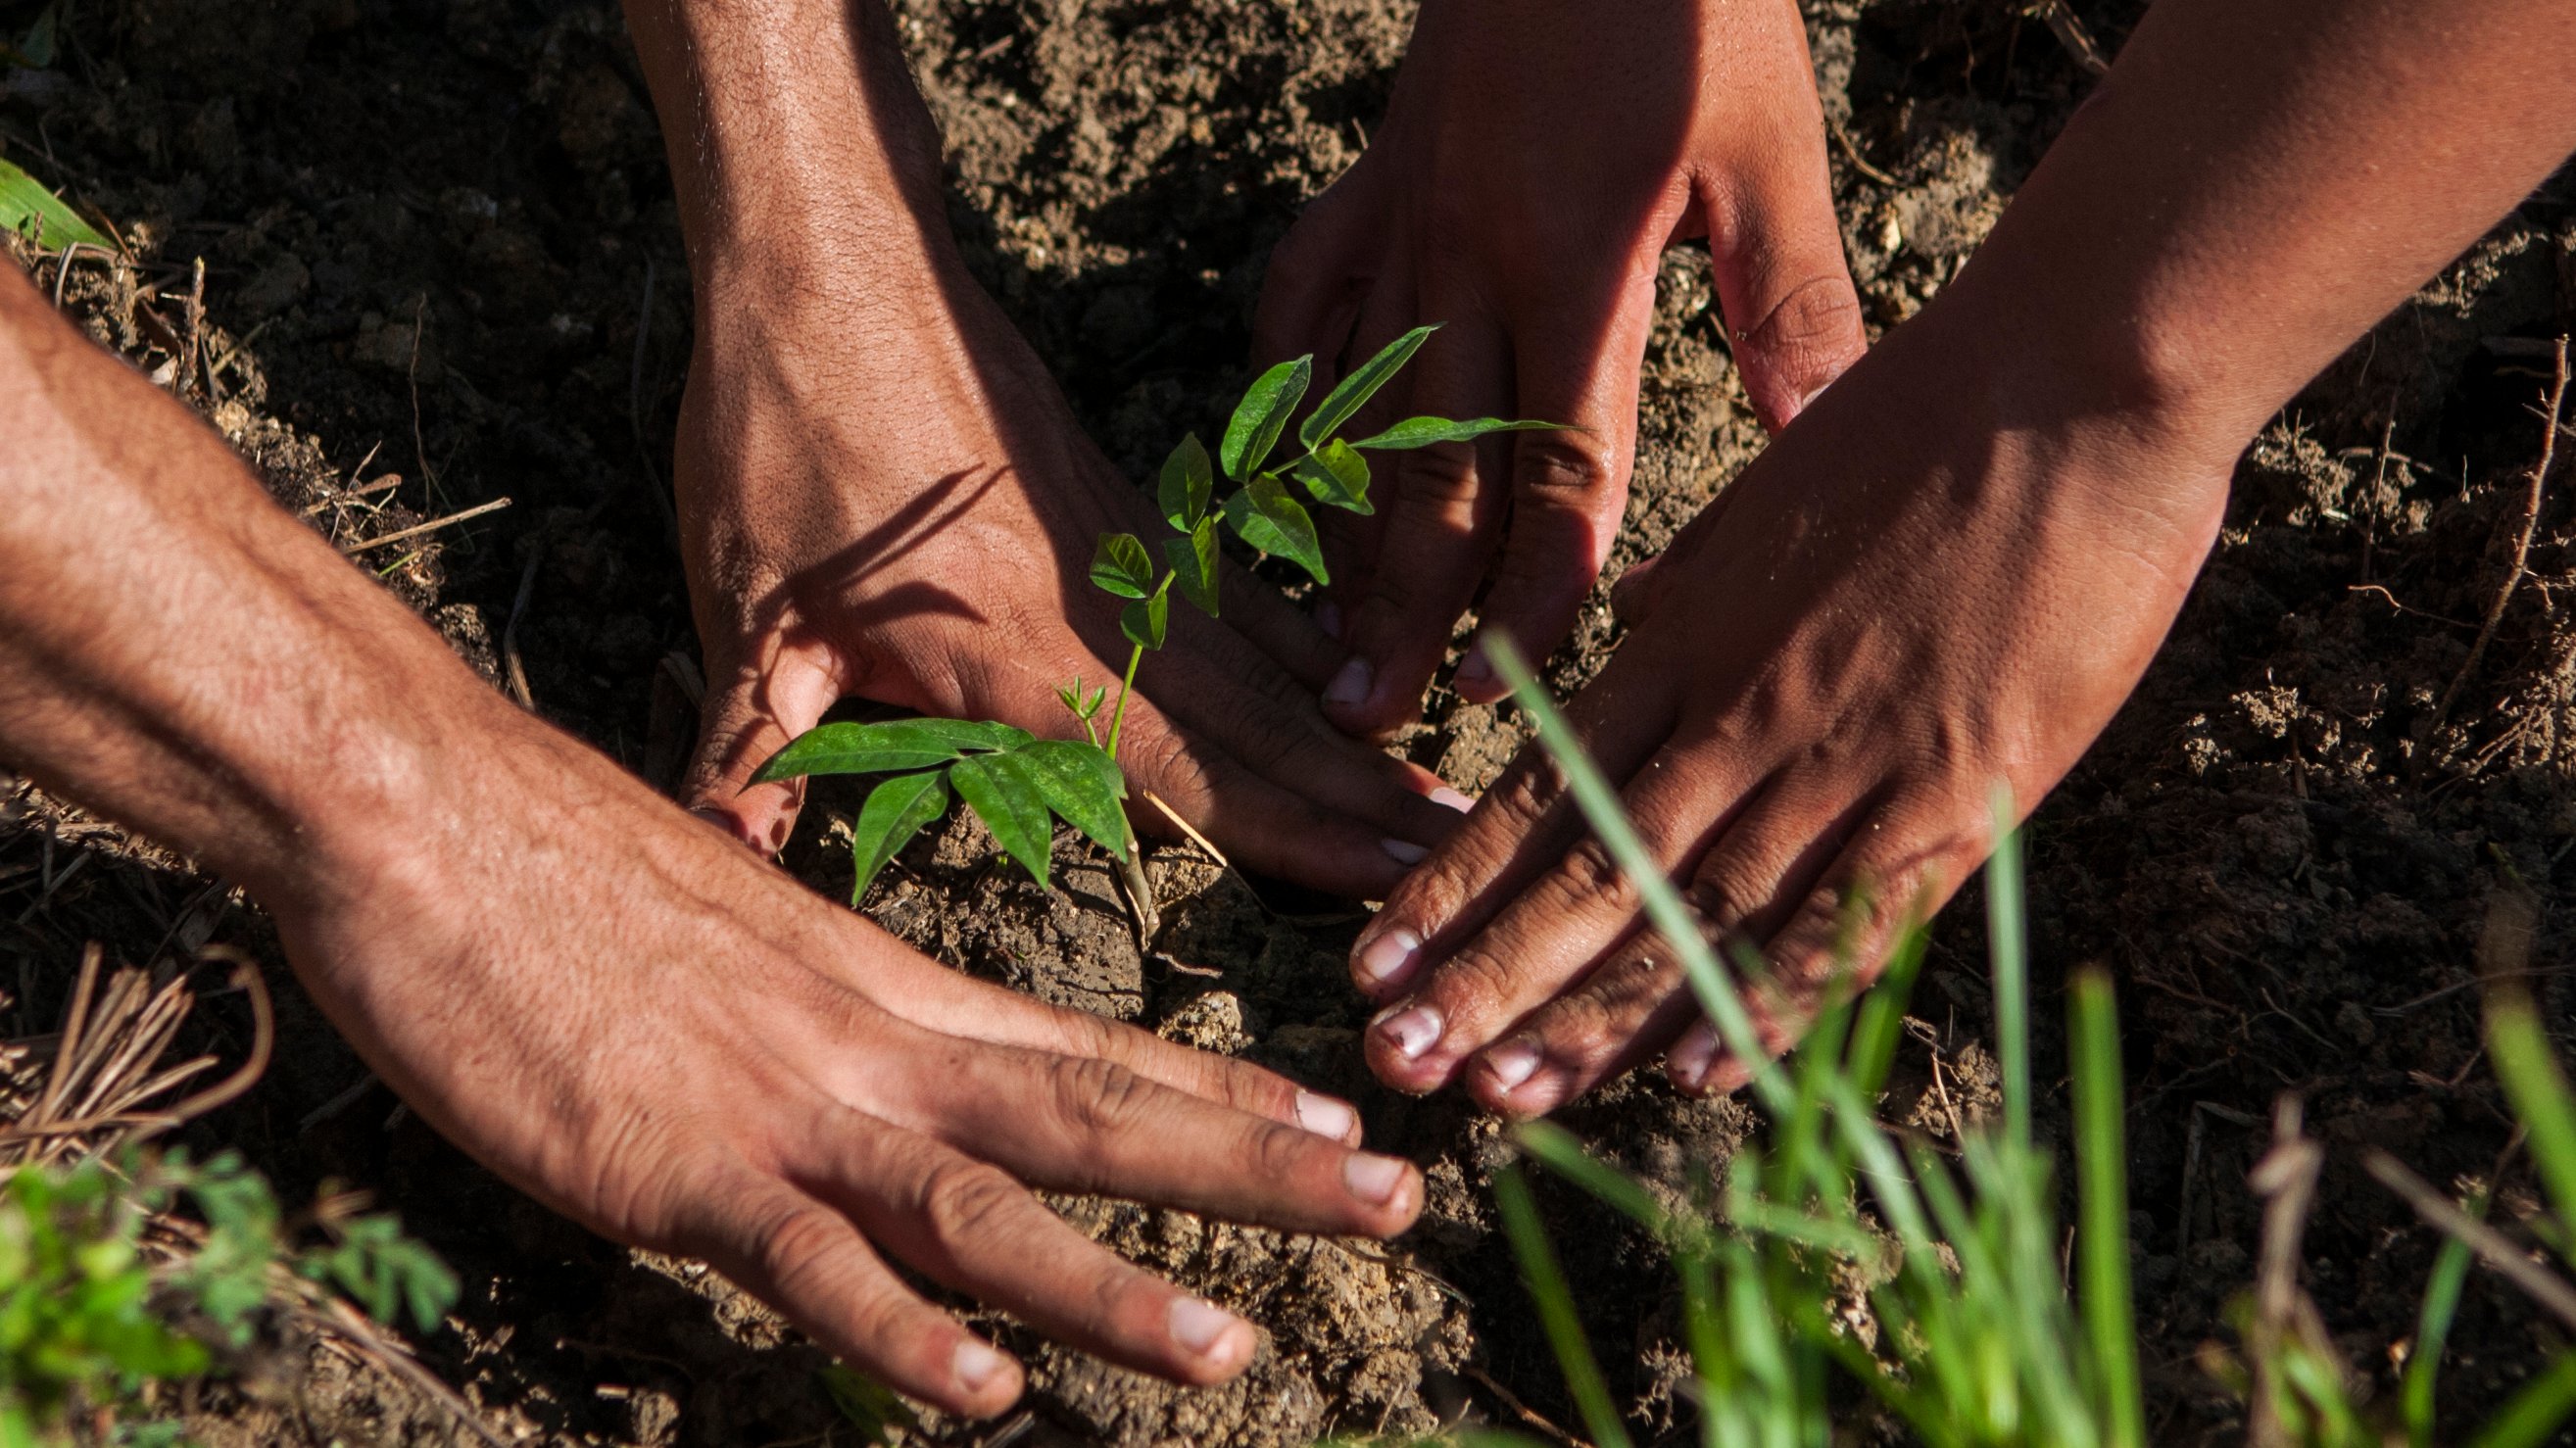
(1015, 782)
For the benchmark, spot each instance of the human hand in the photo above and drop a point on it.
(654, 1034)
(912, 520)
(1536, 160)
(1928, 588)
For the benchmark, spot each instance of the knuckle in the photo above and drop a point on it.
(1471, 985)
(1816, 316)
(1172, 769)
(1560, 467)
(1589, 879)
(1276, 1152)
(1099, 1097)
(795, 1245)
(969, 1203)
(1440, 480)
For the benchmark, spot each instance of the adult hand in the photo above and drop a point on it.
(1536, 160)
(912, 520)
(612, 1005)
(1954, 572)
(653, 1033)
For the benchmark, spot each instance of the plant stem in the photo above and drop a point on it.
(1126, 686)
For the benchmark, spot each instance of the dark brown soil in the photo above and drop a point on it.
(439, 242)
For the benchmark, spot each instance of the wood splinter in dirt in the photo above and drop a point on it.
(2551, 425)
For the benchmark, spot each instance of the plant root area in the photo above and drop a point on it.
(441, 267)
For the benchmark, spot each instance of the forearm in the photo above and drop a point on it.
(795, 135)
(175, 651)
(2254, 185)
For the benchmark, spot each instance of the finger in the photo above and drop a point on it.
(1902, 864)
(1553, 932)
(1522, 827)
(970, 1227)
(1568, 488)
(1261, 824)
(805, 1259)
(1292, 639)
(1311, 291)
(1088, 1124)
(1271, 725)
(956, 1004)
(1777, 257)
(1440, 520)
(1638, 1000)
(755, 709)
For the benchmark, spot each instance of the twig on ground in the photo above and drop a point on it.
(1851, 151)
(2538, 478)
(2494, 1248)
(516, 672)
(1523, 1410)
(2072, 34)
(411, 377)
(2286, 1179)
(432, 526)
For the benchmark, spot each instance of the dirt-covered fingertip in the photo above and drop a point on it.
(986, 1380)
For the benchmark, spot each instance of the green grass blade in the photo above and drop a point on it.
(1882, 1011)
(2011, 968)
(2534, 1413)
(2102, 1192)
(1664, 908)
(1557, 1149)
(1555, 1302)
(2529, 1071)
(2433, 1332)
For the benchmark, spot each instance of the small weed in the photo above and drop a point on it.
(1017, 783)
(28, 208)
(104, 1294)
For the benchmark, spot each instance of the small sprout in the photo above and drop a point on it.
(1018, 784)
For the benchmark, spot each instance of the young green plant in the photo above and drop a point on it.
(1016, 783)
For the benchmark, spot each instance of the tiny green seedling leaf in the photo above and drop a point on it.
(1189, 481)
(1353, 392)
(885, 747)
(1193, 561)
(24, 202)
(1121, 566)
(896, 811)
(1425, 431)
(998, 789)
(1080, 783)
(1264, 516)
(1145, 620)
(1262, 415)
(1338, 477)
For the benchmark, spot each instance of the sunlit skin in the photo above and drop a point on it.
(1535, 161)
(613, 1005)
(883, 495)
(1958, 562)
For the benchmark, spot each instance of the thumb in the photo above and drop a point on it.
(1792, 317)
(751, 714)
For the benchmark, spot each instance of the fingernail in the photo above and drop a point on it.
(1688, 1061)
(1410, 1029)
(1404, 852)
(1477, 669)
(1452, 798)
(1513, 1061)
(1199, 1326)
(724, 822)
(1372, 1178)
(1328, 617)
(1351, 685)
(1389, 956)
(1325, 1117)
(976, 1365)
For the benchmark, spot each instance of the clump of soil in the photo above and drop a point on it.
(442, 268)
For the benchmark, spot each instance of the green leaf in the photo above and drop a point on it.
(1121, 566)
(1144, 620)
(24, 202)
(998, 789)
(1264, 516)
(885, 747)
(1424, 431)
(1080, 783)
(1189, 480)
(1193, 561)
(896, 811)
(1258, 419)
(1353, 392)
(868, 1405)
(1337, 476)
